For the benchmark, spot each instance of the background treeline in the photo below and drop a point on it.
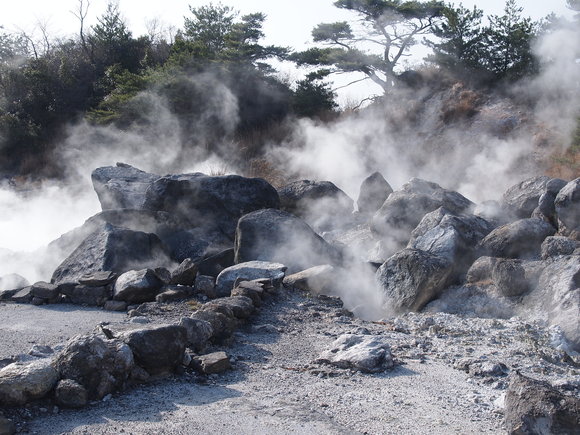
(107, 76)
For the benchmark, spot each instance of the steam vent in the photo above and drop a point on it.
(384, 241)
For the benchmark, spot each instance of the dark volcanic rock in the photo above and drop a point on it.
(111, 249)
(404, 209)
(555, 246)
(87, 295)
(241, 306)
(374, 190)
(568, 209)
(121, 186)
(205, 201)
(248, 271)
(320, 203)
(196, 243)
(158, 349)
(98, 279)
(277, 236)
(411, 278)
(44, 290)
(546, 208)
(519, 239)
(522, 198)
(137, 286)
(70, 394)
(509, 276)
(535, 407)
(213, 363)
(198, 332)
(185, 273)
(222, 326)
(101, 366)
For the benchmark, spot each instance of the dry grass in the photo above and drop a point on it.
(462, 104)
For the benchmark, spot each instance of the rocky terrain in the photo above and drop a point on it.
(257, 310)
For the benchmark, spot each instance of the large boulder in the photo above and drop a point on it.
(277, 236)
(23, 382)
(158, 349)
(411, 278)
(404, 209)
(546, 208)
(451, 237)
(374, 190)
(111, 249)
(519, 239)
(248, 271)
(535, 407)
(567, 205)
(206, 201)
(137, 286)
(320, 203)
(558, 296)
(121, 186)
(100, 365)
(196, 243)
(521, 199)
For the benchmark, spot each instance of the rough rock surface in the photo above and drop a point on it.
(320, 203)
(157, 349)
(248, 271)
(70, 394)
(510, 277)
(374, 190)
(136, 286)
(404, 209)
(411, 278)
(522, 198)
(519, 239)
(121, 186)
(535, 407)
(367, 353)
(111, 249)
(213, 363)
(555, 246)
(23, 382)
(100, 365)
(206, 201)
(278, 236)
(567, 205)
(198, 332)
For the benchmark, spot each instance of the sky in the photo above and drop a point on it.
(289, 22)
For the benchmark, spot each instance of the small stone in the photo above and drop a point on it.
(71, 394)
(214, 363)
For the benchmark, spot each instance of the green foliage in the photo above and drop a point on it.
(392, 26)
(313, 98)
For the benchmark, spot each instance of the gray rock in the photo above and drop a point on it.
(7, 427)
(86, 295)
(13, 281)
(137, 286)
(214, 264)
(23, 296)
(205, 201)
(546, 208)
(481, 269)
(121, 186)
(567, 205)
(558, 295)
(44, 290)
(22, 382)
(241, 306)
(277, 236)
(535, 407)
(374, 190)
(367, 353)
(70, 394)
(213, 363)
(509, 276)
(411, 278)
(174, 293)
(100, 365)
(222, 326)
(404, 209)
(158, 349)
(205, 285)
(115, 306)
(98, 279)
(522, 198)
(185, 273)
(320, 203)
(248, 271)
(519, 239)
(198, 332)
(196, 243)
(317, 279)
(249, 289)
(555, 246)
(111, 249)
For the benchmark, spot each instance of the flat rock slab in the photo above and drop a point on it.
(248, 271)
(367, 353)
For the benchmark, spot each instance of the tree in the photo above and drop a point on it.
(508, 41)
(390, 26)
(460, 45)
(313, 98)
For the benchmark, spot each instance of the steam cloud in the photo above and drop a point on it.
(407, 137)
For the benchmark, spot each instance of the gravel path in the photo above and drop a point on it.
(276, 387)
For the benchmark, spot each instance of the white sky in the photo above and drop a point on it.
(288, 23)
